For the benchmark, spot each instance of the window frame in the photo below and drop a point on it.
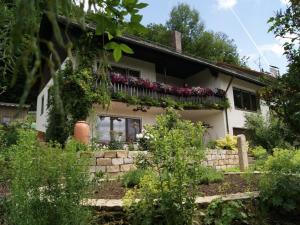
(42, 104)
(250, 94)
(126, 124)
(127, 69)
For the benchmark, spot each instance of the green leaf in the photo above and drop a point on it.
(117, 54)
(141, 5)
(126, 49)
(136, 18)
(102, 23)
(109, 35)
(111, 45)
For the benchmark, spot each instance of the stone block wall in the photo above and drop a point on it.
(120, 161)
(113, 162)
(221, 159)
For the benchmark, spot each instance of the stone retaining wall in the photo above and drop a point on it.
(113, 162)
(120, 161)
(222, 159)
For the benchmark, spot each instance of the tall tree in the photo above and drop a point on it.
(283, 95)
(196, 40)
(185, 20)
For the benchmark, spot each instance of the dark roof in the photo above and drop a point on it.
(244, 70)
(178, 63)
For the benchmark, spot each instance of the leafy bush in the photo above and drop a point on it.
(115, 145)
(169, 197)
(226, 213)
(209, 175)
(9, 134)
(133, 178)
(3, 211)
(74, 145)
(259, 152)
(143, 161)
(211, 144)
(48, 184)
(280, 186)
(228, 142)
(260, 155)
(266, 132)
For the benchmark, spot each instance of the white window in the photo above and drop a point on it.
(118, 128)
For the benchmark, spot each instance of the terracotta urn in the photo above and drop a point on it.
(82, 132)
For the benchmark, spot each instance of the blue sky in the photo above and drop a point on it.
(224, 15)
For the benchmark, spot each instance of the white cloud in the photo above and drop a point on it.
(285, 2)
(274, 48)
(226, 4)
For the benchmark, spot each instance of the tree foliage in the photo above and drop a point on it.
(20, 20)
(196, 39)
(283, 94)
(169, 197)
(268, 133)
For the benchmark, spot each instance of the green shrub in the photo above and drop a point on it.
(228, 142)
(115, 145)
(259, 152)
(266, 132)
(133, 178)
(9, 134)
(74, 145)
(48, 184)
(211, 144)
(176, 152)
(3, 211)
(143, 161)
(209, 175)
(226, 213)
(280, 186)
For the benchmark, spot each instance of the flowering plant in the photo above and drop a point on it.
(185, 91)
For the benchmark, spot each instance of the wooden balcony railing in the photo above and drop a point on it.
(212, 101)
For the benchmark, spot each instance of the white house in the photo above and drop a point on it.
(163, 66)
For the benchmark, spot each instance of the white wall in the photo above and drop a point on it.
(147, 69)
(236, 117)
(41, 119)
(203, 79)
(214, 118)
(169, 80)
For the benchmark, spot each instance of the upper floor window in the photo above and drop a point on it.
(126, 71)
(245, 100)
(42, 105)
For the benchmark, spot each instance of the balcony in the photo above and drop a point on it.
(136, 91)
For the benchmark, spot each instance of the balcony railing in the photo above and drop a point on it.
(155, 93)
(143, 92)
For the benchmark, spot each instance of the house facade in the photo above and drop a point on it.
(218, 95)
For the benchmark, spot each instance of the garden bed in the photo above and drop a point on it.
(232, 183)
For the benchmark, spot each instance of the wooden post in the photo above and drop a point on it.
(243, 152)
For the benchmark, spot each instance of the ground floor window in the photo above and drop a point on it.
(118, 128)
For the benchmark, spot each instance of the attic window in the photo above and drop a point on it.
(126, 71)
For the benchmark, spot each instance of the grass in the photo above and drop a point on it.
(207, 175)
(233, 169)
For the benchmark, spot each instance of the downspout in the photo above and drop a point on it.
(226, 113)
